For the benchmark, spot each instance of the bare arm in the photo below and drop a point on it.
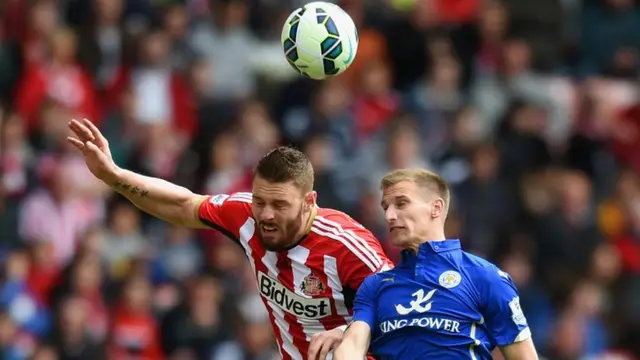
(162, 199)
(355, 342)
(522, 350)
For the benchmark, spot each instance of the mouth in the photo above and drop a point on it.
(395, 229)
(268, 228)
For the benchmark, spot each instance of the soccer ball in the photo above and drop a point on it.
(320, 40)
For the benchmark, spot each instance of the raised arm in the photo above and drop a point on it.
(160, 198)
(355, 342)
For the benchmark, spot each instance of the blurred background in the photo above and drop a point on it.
(529, 109)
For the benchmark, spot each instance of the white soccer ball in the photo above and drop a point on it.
(320, 40)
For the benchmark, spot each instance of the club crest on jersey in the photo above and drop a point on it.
(450, 279)
(312, 285)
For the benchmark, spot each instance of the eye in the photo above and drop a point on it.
(258, 203)
(280, 205)
(402, 203)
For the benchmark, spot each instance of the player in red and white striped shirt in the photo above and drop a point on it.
(308, 284)
(308, 261)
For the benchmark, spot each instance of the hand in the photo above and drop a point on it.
(95, 149)
(322, 343)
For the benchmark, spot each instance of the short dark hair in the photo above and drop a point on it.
(284, 164)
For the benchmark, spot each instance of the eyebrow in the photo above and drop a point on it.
(395, 198)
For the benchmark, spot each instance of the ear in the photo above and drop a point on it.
(310, 200)
(437, 208)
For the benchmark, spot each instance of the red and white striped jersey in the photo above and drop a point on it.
(311, 287)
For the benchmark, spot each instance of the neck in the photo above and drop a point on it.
(438, 235)
(308, 222)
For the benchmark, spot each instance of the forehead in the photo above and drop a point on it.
(270, 190)
(403, 188)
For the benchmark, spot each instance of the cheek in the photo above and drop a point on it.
(288, 216)
(408, 218)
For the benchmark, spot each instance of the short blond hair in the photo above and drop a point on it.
(424, 178)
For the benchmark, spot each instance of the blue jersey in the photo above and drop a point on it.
(441, 303)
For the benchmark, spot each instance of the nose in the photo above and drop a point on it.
(266, 214)
(391, 215)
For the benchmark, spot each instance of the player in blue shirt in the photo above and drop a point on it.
(439, 302)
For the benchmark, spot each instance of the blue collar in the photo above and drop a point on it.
(409, 258)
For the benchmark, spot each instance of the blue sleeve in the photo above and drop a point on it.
(502, 314)
(365, 303)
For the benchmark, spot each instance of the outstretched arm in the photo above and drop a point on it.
(355, 342)
(160, 198)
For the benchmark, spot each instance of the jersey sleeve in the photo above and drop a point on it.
(362, 256)
(365, 303)
(502, 313)
(226, 213)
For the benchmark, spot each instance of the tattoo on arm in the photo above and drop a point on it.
(133, 190)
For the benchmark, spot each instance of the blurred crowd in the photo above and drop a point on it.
(530, 109)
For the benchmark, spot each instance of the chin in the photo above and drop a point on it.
(272, 243)
(399, 241)
(275, 247)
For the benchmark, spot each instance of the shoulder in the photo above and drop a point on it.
(238, 198)
(482, 272)
(234, 205)
(346, 239)
(373, 282)
(337, 218)
(344, 233)
(337, 225)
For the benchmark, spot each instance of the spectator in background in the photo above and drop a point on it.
(83, 280)
(226, 44)
(72, 338)
(134, 331)
(612, 48)
(254, 340)
(179, 258)
(161, 94)
(42, 20)
(123, 241)
(44, 271)
(17, 159)
(176, 21)
(256, 132)
(30, 315)
(328, 114)
(101, 44)
(9, 348)
(376, 102)
(58, 78)
(484, 204)
(228, 173)
(201, 323)
(73, 214)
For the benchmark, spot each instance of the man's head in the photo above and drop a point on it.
(283, 197)
(415, 204)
